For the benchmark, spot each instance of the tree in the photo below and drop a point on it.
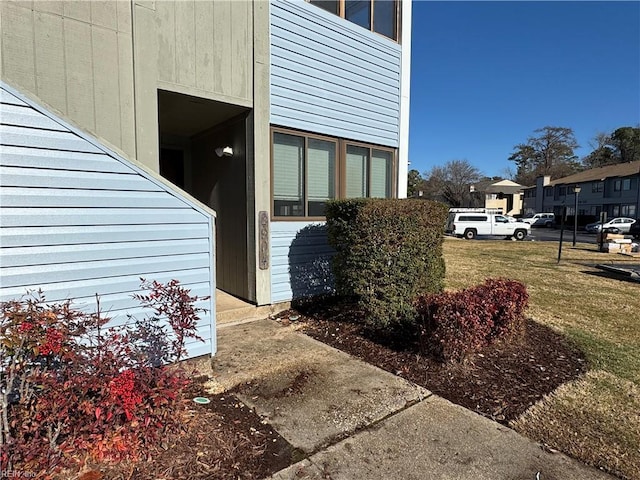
(621, 146)
(451, 183)
(627, 141)
(549, 152)
(414, 182)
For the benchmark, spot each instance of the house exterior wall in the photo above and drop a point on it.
(100, 66)
(78, 220)
(335, 78)
(300, 260)
(77, 58)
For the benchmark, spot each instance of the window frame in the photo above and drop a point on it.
(371, 147)
(340, 179)
(397, 20)
(305, 186)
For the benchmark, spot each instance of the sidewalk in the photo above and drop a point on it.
(355, 421)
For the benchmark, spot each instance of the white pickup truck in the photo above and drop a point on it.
(470, 225)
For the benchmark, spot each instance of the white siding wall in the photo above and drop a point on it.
(300, 261)
(331, 76)
(77, 220)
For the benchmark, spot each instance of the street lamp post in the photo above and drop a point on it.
(576, 191)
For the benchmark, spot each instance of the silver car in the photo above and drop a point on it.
(615, 225)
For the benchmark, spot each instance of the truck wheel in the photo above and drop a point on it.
(519, 234)
(470, 234)
(548, 224)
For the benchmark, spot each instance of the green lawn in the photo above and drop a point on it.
(596, 419)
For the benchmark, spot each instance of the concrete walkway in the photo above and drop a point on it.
(354, 421)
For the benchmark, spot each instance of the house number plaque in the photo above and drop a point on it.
(263, 252)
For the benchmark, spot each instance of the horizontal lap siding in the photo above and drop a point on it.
(77, 221)
(300, 261)
(333, 77)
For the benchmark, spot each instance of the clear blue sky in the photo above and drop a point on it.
(485, 75)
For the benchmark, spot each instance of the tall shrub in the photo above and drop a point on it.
(388, 251)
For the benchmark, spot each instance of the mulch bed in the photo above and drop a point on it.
(227, 440)
(224, 440)
(499, 382)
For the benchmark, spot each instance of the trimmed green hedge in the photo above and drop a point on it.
(388, 251)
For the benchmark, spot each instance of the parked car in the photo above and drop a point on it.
(634, 230)
(615, 225)
(470, 225)
(540, 220)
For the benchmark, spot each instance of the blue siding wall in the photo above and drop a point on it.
(331, 76)
(300, 261)
(77, 220)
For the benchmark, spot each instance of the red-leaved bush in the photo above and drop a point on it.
(73, 389)
(454, 324)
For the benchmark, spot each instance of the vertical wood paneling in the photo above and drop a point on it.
(18, 54)
(333, 77)
(79, 56)
(185, 43)
(50, 68)
(47, 51)
(78, 233)
(105, 46)
(204, 45)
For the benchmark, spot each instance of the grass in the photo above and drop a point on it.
(597, 419)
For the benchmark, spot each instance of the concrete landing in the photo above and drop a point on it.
(232, 310)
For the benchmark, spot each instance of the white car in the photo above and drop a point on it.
(615, 225)
(540, 220)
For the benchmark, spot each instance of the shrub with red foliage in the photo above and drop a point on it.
(454, 324)
(73, 389)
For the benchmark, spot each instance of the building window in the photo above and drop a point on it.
(626, 184)
(307, 170)
(379, 16)
(617, 185)
(628, 210)
(597, 187)
(563, 191)
(304, 177)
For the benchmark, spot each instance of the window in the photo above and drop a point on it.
(626, 184)
(304, 175)
(597, 187)
(617, 185)
(368, 172)
(332, 6)
(562, 191)
(548, 192)
(628, 210)
(307, 170)
(379, 16)
(472, 218)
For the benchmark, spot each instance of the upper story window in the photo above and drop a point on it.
(380, 16)
(309, 170)
(597, 187)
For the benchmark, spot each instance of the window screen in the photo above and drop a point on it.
(381, 164)
(321, 177)
(357, 162)
(384, 17)
(288, 175)
(358, 12)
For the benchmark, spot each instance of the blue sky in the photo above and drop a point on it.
(485, 75)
